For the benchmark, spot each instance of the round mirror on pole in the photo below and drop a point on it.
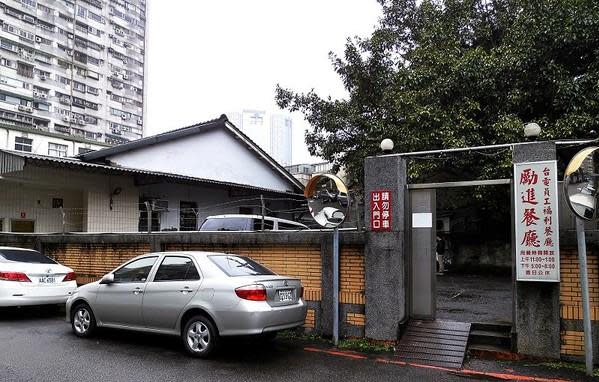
(581, 181)
(328, 200)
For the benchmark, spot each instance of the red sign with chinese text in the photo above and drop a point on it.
(380, 210)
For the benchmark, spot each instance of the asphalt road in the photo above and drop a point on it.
(39, 346)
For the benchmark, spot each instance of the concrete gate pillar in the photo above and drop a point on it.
(537, 303)
(385, 260)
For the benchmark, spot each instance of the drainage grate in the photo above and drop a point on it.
(438, 343)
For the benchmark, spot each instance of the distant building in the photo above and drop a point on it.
(272, 132)
(71, 74)
(280, 138)
(304, 172)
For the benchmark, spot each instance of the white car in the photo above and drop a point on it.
(29, 278)
(240, 222)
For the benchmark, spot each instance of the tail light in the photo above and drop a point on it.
(71, 276)
(252, 292)
(14, 276)
(301, 292)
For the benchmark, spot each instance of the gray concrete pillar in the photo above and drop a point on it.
(384, 251)
(326, 302)
(537, 303)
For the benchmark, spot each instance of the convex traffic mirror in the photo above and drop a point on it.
(327, 200)
(580, 183)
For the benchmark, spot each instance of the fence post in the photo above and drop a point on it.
(263, 211)
(62, 213)
(149, 215)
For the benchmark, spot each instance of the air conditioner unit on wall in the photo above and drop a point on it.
(38, 39)
(65, 118)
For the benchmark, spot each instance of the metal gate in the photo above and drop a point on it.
(421, 243)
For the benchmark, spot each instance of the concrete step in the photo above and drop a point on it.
(493, 352)
(492, 326)
(490, 337)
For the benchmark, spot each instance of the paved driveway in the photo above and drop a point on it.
(474, 298)
(38, 346)
(43, 349)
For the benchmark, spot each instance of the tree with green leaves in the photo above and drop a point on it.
(440, 74)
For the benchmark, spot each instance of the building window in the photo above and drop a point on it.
(23, 144)
(92, 90)
(256, 119)
(57, 203)
(24, 70)
(57, 150)
(80, 87)
(41, 106)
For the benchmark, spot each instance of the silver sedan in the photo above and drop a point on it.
(199, 296)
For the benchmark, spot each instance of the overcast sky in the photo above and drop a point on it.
(209, 57)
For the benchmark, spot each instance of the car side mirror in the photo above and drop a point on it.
(107, 279)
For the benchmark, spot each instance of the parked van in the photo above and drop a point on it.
(249, 223)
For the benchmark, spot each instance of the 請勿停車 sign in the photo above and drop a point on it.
(536, 221)
(380, 210)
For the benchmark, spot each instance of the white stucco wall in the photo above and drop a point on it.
(209, 200)
(86, 200)
(214, 154)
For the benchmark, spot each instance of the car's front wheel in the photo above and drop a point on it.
(83, 321)
(199, 336)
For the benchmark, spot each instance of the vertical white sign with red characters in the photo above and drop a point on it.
(380, 210)
(537, 226)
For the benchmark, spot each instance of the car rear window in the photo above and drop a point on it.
(239, 266)
(25, 256)
(225, 224)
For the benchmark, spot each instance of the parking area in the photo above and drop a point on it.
(37, 345)
(474, 298)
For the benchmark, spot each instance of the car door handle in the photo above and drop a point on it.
(186, 290)
(137, 291)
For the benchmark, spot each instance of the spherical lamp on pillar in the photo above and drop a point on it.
(532, 131)
(387, 145)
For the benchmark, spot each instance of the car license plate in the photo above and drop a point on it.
(285, 295)
(47, 280)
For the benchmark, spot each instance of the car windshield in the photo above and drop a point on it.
(239, 266)
(24, 256)
(225, 224)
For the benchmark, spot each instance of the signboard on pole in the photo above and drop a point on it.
(380, 210)
(536, 221)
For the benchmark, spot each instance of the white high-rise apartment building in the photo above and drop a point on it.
(71, 74)
(272, 132)
(281, 138)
